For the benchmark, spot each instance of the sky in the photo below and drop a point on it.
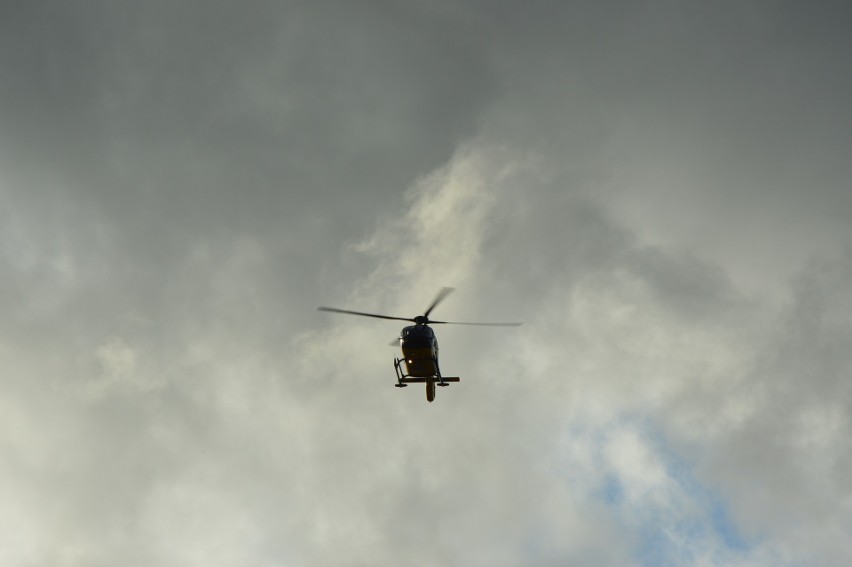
(659, 190)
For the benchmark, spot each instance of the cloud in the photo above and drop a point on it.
(654, 190)
(536, 440)
(637, 330)
(643, 402)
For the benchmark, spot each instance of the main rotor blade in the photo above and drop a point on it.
(335, 310)
(477, 324)
(445, 291)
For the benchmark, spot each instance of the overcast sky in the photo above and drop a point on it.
(660, 190)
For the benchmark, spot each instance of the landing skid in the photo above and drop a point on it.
(404, 379)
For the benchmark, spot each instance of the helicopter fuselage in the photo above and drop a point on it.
(420, 356)
(419, 351)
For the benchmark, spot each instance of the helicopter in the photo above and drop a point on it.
(419, 362)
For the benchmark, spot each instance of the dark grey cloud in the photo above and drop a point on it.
(145, 139)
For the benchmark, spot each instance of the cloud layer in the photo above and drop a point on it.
(658, 192)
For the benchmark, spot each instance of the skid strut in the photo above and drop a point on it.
(400, 375)
(441, 381)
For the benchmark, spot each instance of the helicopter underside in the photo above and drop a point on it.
(421, 369)
(420, 362)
